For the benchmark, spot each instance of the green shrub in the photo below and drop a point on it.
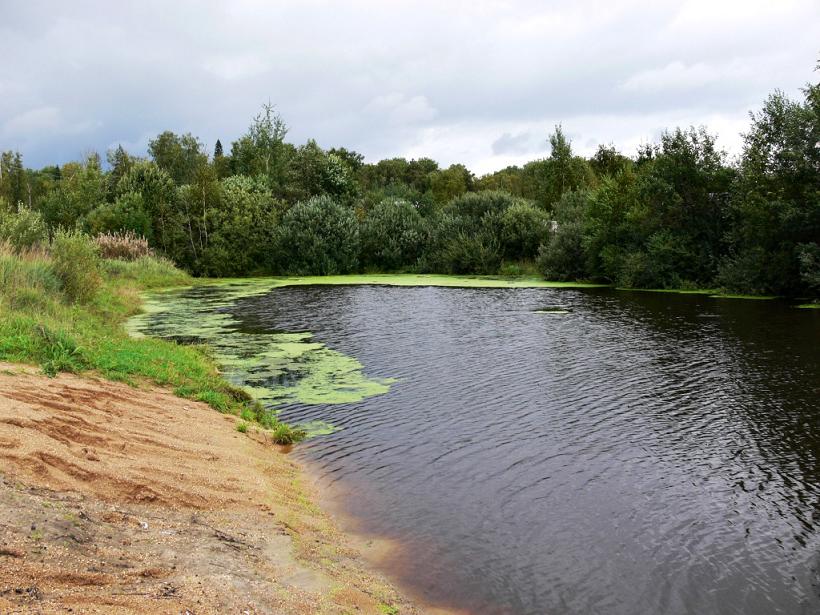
(22, 229)
(76, 263)
(317, 237)
(126, 215)
(392, 236)
(523, 227)
(478, 253)
(242, 427)
(563, 255)
(476, 205)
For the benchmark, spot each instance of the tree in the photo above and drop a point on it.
(120, 162)
(240, 230)
(317, 237)
(158, 193)
(313, 172)
(523, 227)
(451, 182)
(563, 171)
(82, 188)
(775, 206)
(608, 161)
(181, 156)
(221, 163)
(14, 186)
(262, 151)
(392, 236)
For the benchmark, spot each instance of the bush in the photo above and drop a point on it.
(126, 246)
(523, 227)
(392, 236)
(317, 237)
(22, 229)
(475, 205)
(473, 253)
(563, 256)
(126, 214)
(76, 263)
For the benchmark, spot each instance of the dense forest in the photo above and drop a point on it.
(676, 214)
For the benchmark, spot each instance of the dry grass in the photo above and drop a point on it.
(124, 246)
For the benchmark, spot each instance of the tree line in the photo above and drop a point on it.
(676, 214)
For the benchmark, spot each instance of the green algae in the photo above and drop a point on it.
(275, 369)
(401, 279)
(319, 428)
(809, 306)
(750, 297)
(712, 293)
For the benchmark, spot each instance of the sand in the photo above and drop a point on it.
(115, 499)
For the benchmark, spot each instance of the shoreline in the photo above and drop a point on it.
(378, 551)
(111, 502)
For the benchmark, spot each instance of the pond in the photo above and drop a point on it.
(540, 450)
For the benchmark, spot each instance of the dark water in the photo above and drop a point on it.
(643, 453)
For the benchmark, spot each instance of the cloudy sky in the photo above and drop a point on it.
(480, 82)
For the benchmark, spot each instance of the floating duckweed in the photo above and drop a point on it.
(274, 368)
(318, 428)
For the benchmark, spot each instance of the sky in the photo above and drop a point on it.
(482, 83)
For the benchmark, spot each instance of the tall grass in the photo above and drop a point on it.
(51, 317)
(126, 246)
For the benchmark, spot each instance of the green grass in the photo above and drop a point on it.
(40, 325)
(809, 306)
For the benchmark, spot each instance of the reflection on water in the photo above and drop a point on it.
(632, 453)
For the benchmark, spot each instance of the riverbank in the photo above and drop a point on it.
(115, 499)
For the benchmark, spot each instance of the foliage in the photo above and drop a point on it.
(392, 236)
(523, 228)
(317, 236)
(239, 233)
(563, 256)
(126, 214)
(22, 229)
(76, 264)
(676, 213)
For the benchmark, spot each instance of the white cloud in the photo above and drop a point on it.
(400, 109)
(240, 66)
(417, 78)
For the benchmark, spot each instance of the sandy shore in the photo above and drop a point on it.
(116, 499)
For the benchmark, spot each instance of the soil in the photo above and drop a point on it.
(116, 499)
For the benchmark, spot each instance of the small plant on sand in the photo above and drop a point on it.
(242, 427)
(287, 434)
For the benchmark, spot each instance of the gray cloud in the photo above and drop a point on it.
(397, 78)
(520, 143)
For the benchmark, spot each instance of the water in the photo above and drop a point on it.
(640, 453)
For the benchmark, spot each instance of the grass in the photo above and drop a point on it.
(40, 324)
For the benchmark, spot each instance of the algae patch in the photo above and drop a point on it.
(274, 368)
